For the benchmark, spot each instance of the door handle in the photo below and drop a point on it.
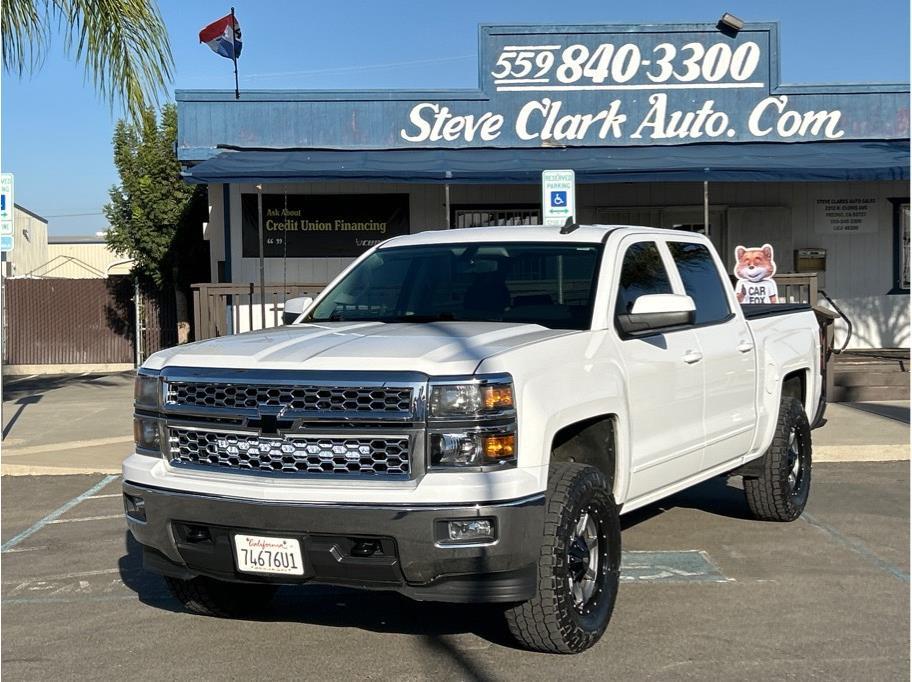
(692, 356)
(745, 347)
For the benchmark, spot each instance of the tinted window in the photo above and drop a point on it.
(701, 281)
(547, 284)
(642, 272)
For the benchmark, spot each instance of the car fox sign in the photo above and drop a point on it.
(754, 268)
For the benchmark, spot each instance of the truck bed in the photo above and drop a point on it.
(753, 311)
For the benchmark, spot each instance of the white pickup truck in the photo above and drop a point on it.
(462, 416)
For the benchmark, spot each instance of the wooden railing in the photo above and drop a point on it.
(221, 309)
(797, 287)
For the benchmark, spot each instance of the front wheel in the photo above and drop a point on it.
(579, 565)
(781, 491)
(210, 597)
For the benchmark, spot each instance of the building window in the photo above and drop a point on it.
(493, 216)
(900, 246)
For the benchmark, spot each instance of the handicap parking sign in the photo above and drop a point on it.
(559, 199)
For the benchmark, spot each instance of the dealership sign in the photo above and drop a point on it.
(556, 86)
(606, 87)
(845, 215)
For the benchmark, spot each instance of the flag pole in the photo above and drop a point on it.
(237, 92)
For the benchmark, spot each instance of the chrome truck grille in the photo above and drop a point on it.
(321, 424)
(366, 455)
(297, 398)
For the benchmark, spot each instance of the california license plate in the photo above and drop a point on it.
(269, 555)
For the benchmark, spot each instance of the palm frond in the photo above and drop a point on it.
(123, 45)
(25, 34)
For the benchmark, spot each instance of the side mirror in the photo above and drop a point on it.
(294, 309)
(654, 312)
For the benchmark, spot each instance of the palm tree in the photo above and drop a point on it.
(123, 44)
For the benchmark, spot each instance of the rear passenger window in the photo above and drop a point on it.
(701, 281)
(642, 272)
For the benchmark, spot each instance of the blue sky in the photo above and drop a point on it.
(57, 133)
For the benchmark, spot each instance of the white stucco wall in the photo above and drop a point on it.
(859, 271)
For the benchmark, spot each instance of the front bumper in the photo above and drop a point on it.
(410, 559)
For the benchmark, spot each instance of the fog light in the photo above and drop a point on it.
(470, 530)
(135, 507)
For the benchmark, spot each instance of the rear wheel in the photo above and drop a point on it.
(210, 597)
(781, 492)
(579, 565)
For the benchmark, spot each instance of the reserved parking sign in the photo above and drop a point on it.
(558, 196)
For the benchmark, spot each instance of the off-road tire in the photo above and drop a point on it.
(550, 621)
(210, 597)
(770, 496)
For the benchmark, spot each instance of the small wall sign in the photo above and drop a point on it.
(845, 215)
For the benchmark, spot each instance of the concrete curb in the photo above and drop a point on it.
(69, 446)
(35, 470)
(861, 453)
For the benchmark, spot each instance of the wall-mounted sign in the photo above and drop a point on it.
(6, 243)
(754, 269)
(7, 203)
(845, 215)
(308, 226)
(558, 196)
(592, 85)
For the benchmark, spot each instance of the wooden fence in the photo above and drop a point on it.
(68, 321)
(221, 309)
(63, 321)
(797, 287)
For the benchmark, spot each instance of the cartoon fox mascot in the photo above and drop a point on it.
(754, 268)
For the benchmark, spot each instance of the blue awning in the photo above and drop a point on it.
(719, 162)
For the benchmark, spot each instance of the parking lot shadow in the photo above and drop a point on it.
(339, 607)
(719, 496)
(149, 587)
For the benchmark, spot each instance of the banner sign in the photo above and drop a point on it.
(594, 85)
(310, 226)
(845, 215)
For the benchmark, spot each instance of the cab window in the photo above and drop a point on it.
(701, 281)
(642, 273)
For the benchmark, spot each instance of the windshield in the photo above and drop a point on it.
(541, 283)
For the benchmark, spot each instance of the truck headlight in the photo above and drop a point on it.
(473, 448)
(147, 391)
(147, 435)
(485, 396)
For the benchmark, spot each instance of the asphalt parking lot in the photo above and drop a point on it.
(826, 597)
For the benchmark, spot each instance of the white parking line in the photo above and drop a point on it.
(87, 518)
(57, 513)
(100, 497)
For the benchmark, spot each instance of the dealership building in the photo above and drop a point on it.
(683, 126)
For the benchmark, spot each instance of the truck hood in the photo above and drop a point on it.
(436, 348)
